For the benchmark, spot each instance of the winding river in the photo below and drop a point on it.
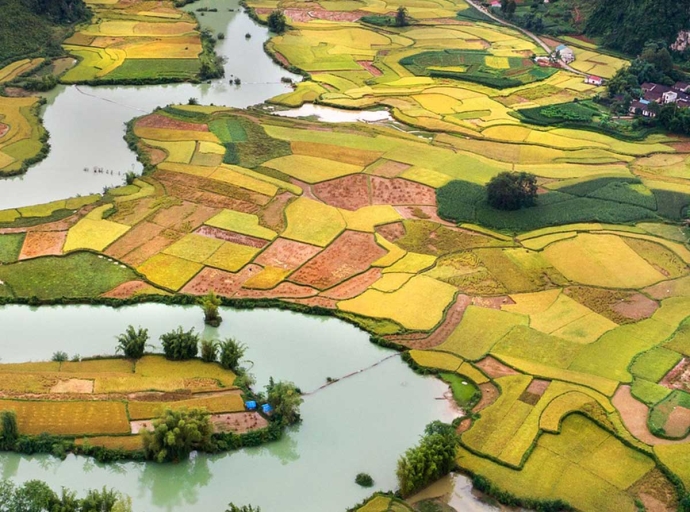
(362, 423)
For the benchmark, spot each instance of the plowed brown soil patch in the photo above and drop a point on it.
(492, 302)
(636, 307)
(130, 289)
(494, 368)
(392, 232)
(196, 219)
(681, 147)
(451, 321)
(665, 289)
(272, 216)
(3, 129)
(161, 121)
(397, 191)
(351, 253)
(230, 236)
(349, 192)
(287, 254)
(174, 215)
(318, 302)
(133, 212)
(656, 492)
(489, 395)
(283, 290)
(389, 169)
(238, 422)
(678, 422)
(155, 155)
(634, 416)
(369, 66)
(150, 248)
(135, 237)
(42, 243)
(355, 286)
(679, 376)
(219, 281)
(464, 425)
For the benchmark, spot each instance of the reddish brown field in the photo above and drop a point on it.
(3, 129)
(229, 236)
(492, 302)
(349, 192)
(149, 249)
(350, 254)
(636, 307)
(135, 237)
(287, 254)
(494, 368)
(679, 376)
(678, 422)
(489, 395)
(392, 232)
(421, 212)
(238, 422)
(369, 66)
(283, 290)
(221, 282)
(634, 415)
(318, 302)
(173, 215)
(355, 286)
(42, 243)
(161, 121)
(453, 317)
(128, 289)
(397, 191)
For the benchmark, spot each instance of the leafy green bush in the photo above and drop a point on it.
(364, 480)
(132, 342)
(209, 351)
(179, 345)
(177, 433)
(231, 351)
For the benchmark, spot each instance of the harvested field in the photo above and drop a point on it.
(350, 254)
(42, 243)
(238, 423)
(161, 121)
(353, 286)
(397, 191)
(494, 368)
(349, 193)
(150, 248)
(489, 395)
(134, 238)
(219, 281)
(132, 289)
(634, 415)
(287, 254)
(229, 236)
(73, 386)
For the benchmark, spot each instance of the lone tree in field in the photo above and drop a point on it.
(231, 351)
(431, 459)
(210, 304)
(285, 399)
(179, 345)
(512, 190)
(277, 22)
(132, 342)
(401, 17)
(177, 433)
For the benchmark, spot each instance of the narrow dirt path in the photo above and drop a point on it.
(529, 34)
(397, 354)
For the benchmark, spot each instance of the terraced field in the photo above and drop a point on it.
(146, 41)
(572, 318)
(22, 137)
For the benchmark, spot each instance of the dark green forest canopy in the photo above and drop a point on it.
(36, 27)
(626, 25)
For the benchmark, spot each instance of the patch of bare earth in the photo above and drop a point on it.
(634, 416)
(679, 376)
(392, 232)
(678, 422)
(130, 289)
(283, 290)
(354, 286)
(3, 129)
(489, 395)
(451, 321)
(494, 368)
(238, 422)
(161, 121)
(492, 302)
(398, 191)
(287, 254)
(73, 386)
(42, 243)
(636, 307)
(222, 282)
(349, 192)
(133, 239)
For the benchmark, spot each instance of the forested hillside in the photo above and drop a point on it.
(626, 25)
(36, 27)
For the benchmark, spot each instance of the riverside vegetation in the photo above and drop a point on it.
(562, 325)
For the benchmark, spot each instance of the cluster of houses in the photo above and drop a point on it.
(654, 95)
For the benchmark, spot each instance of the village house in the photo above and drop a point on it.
(594, 80)
(658, 94)
(567, 55)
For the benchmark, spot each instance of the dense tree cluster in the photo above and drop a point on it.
(512, 190)
(431, 459)
(35, 495)
(285, 399)
(628, 25)
(277, 22)
(177, 433)
(179, 345)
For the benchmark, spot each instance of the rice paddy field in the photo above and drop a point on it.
(21, 133)
(571, 318)
(129, 41)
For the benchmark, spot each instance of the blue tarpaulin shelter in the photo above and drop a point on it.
(266, 408)
(250, 405)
